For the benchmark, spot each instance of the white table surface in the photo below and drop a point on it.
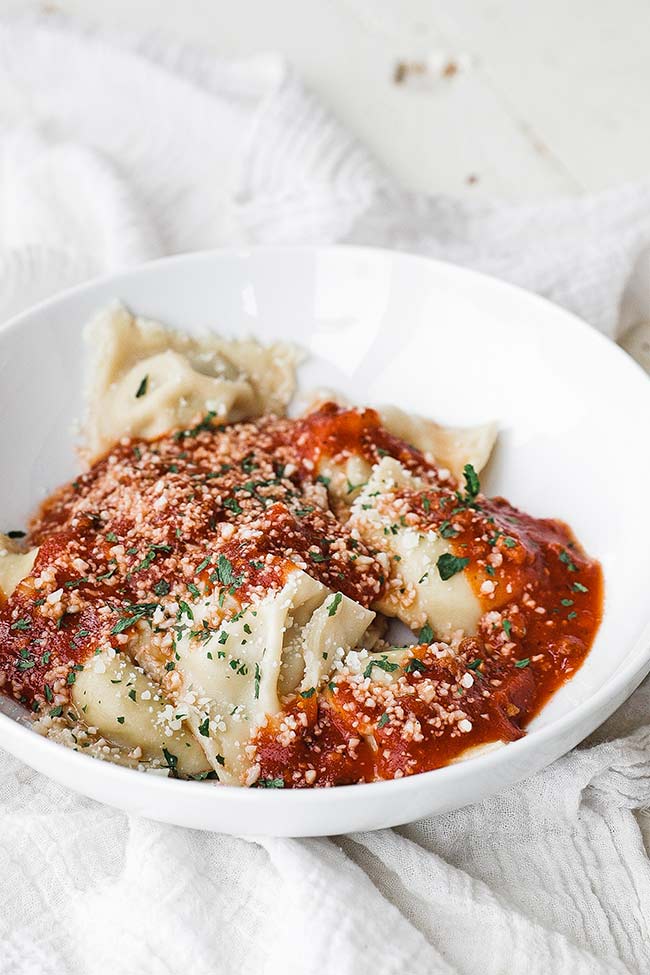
(549, 97)
(543, 98)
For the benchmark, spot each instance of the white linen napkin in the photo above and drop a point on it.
(117, 152)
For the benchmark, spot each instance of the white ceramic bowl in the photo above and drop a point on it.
(381, 327)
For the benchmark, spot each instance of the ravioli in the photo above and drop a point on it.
(15, 565)
(449, 447)
(285, 643)
(346, 470)
(416, 592)
(145, 380)
(116, 698)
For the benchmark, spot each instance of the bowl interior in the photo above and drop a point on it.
(381, 327)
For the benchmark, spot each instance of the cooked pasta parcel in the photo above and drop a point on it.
(213, 597)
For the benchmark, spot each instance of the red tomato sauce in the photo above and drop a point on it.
(231, 511)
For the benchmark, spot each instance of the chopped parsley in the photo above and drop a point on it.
(151, 555)
(309, 693)
(383, 720)
(448, 565)
(472, 483)
(566, 558)
(270, 783)
(446, 530)
(426, 634)
(383, 663)
(318, 557)
(205, 424)
(354, 487)
(162, 587)
(334, 605)
(204, 728)
(107, 575)
(522, 663)
(142, 388)
(225, 573)
(507, 626)
(22, 624)
(183, 608)
(415, 666)
(135, 613)
(171, 762)
(258, 677)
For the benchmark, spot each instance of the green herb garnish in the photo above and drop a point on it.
(448, 565)
(172, 762)
(415, 666)
(22, 624)
(334, 605)
(566, 558)
(383, 664)
(472, 483)
(426, 634)
(446, 530)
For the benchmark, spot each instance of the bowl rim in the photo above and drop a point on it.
(603, 700)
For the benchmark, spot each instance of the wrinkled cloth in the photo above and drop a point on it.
(118, 150)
